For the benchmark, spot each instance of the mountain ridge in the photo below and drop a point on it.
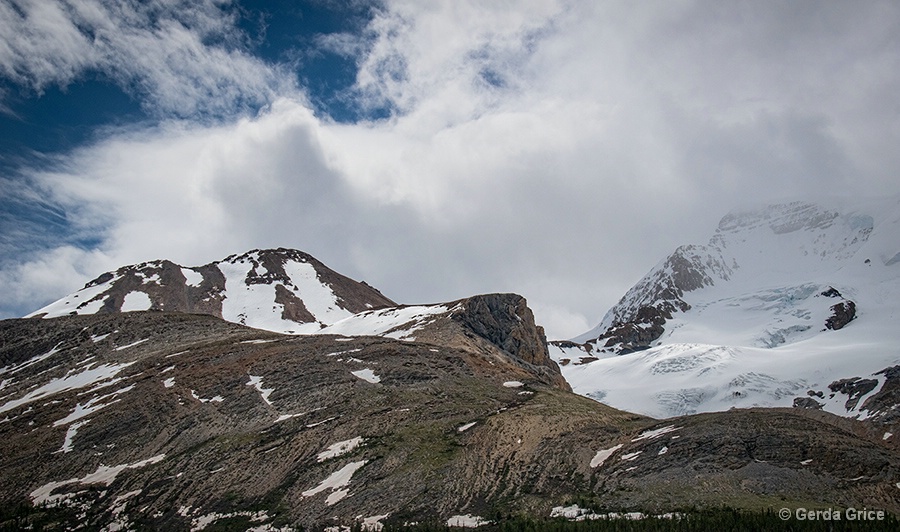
(281, 289)
(781, 305)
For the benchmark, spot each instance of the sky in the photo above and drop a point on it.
(558, 149)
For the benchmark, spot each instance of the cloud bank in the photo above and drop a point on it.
(554, 149)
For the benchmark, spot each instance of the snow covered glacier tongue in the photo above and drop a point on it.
(781, 303)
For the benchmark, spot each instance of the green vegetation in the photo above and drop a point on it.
(722, 520)
(27, 517)
(24, 516)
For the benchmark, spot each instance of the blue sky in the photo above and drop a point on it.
(554, 148)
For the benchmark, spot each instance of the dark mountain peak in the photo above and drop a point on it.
(506, 321)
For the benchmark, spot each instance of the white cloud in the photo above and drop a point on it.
(156, 50)
(58, 271)
(558, 150)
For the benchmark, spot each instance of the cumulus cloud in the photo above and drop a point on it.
(181, 57)
(555, 149)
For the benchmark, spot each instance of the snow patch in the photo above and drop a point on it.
(94, 404)
(311, 425)
(70, 436)
(575, 513)
(85, 378)
(467, 521)
(139, 342)
(340, 448)
(367, 375)
(192, 277)
(256, 382)
(200, 523)
(466, 427)
(397, 322)
(136, 301)
(656, 433)
(69, 304)
(336, 481)
(103, 475)
(214, 399)
(30, 362)
(513, 384)
(603, 454)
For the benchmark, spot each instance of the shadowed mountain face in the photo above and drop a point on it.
(177, 421)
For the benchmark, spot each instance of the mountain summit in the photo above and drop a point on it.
(281, 290)
(781, 303)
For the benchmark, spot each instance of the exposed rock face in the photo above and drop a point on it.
(874, 399)
(506, 321)
(272, 288)
(841, 314)
(807, 402)
(854, 388)
(497, 321)
(639, 317)
(175, 421)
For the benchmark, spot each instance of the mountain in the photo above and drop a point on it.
(175, 421)
(281, 290)
(793, 304)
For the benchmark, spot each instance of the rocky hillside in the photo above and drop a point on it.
(178, 421)
(281, 290)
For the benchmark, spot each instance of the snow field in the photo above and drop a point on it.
(398, 323)
(757, 337)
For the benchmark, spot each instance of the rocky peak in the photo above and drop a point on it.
(506, 321)
(638, 319)
(285, 290)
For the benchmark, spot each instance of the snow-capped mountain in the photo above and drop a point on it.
(281, 290)
(780, 305)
